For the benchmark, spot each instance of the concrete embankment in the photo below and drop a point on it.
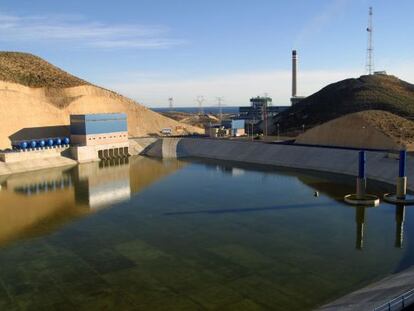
(39, 160)
(376, 294)
(34, 165)
(380, 165)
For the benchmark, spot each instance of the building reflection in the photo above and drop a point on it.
(45, 186)
(230, 170)
(37, 183)
(100, 184)
(40, 202)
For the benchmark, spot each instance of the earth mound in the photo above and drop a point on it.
(373, 129)
(30, 70)
(371, 92)
(37, 98)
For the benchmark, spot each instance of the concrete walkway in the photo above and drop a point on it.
(375, 294)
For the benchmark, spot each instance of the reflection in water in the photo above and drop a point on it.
(101, 184)
(35, 203)
(360, 220)
(399, 220)
(399, 226)
(45, 186)
(200, 239)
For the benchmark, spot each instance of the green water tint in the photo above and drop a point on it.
(174, 235)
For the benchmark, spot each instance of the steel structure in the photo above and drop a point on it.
(200, 100)
(370, 49)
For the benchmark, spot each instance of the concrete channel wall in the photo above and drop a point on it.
(381, 166)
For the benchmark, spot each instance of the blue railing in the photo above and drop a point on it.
(398, 303)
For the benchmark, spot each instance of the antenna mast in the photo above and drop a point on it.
(370, 48)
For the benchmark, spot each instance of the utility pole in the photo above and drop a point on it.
(200, 100)
(370, 48)
(219, 100)
(278, 132)
(170, 103)
(265, 116)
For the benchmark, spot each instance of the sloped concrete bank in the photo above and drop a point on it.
(380, 165)
(375, 295)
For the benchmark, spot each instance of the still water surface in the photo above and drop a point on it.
(175, 235)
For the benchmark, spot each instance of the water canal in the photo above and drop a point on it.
(190, 235)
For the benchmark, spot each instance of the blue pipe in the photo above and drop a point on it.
(402, 166)
(362, 164)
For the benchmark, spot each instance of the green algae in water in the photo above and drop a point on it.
(174, 235)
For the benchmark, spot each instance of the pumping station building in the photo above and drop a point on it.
(89, 137)
(99, 136)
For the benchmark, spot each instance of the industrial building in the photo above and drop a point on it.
(260, 108)
(99, 136)
(238, 128)
(235, 128)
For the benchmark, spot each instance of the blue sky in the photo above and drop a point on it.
(150, 50)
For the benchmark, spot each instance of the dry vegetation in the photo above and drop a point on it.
(375, 92)
(32, 71)
(398, 128)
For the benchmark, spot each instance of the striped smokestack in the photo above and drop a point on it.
(294, 67)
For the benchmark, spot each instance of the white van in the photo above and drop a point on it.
(166, 131)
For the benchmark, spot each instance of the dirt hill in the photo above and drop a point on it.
(199, 120)
(374, 129)
(374, 92)
(37, 98)
(32, 71)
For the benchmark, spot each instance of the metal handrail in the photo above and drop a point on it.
(400, 302)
